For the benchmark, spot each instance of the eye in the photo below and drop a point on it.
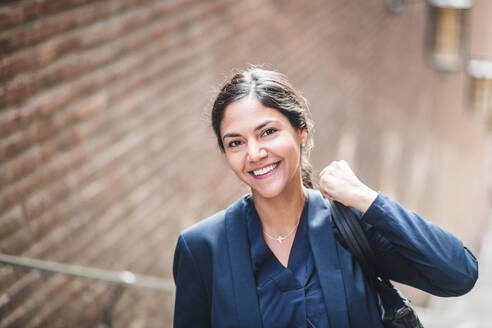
(269, 131)
(233, 144)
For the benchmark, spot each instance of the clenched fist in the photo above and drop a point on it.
(338, 182)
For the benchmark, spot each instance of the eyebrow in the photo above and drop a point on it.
(262, 125)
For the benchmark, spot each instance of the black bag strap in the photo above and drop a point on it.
(354, 238)
(394, 308)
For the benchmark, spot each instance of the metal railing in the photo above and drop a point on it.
(121, 279)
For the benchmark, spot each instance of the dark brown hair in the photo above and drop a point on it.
(272, 90)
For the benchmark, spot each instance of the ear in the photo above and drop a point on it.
(303, 135)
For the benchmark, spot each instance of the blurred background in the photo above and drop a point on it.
(106, 153)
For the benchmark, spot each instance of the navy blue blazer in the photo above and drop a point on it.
(215, 284)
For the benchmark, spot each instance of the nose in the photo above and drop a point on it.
(255, 152)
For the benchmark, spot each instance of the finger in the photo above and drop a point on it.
(345, 165)
(325, 180)
(326, 195)
(327, 168)
(348, 170)
(324, 170)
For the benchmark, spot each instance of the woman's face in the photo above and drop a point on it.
(261, 146)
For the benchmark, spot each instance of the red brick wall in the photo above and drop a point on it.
(106, 153)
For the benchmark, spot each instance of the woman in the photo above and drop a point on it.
(271, 258)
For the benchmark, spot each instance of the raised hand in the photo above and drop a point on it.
(338, 182)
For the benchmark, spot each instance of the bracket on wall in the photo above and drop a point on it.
(446, 35)
(480, 72)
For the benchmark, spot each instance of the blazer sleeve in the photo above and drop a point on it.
(192, 305)
(416, 252)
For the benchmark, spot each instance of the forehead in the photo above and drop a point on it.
(246, 114)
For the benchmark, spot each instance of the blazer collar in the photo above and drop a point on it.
(243, 280)
(326, 258)
(325, 253)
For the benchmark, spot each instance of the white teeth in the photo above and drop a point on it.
(265, 169)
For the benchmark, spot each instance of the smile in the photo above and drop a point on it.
(263, 172)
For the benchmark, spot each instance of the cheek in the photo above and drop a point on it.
(235, 162)
(288, 149)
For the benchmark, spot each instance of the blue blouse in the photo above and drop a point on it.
(288, 297)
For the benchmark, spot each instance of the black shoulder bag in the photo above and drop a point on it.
(394, 308)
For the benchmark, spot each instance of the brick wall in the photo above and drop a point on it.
(106, 153)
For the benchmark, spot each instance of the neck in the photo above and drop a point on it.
(278, 215)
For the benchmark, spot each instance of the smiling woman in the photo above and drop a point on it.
(262, 147)
(272, 259)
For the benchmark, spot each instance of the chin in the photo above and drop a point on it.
(268, 191)
(265, 195)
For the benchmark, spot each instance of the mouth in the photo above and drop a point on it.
(265, 171)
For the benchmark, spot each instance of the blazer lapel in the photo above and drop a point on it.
(324, 248)
(243, 280)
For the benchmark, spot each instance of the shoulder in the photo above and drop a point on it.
(197, 244)
(208, 228)
(212, 229)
